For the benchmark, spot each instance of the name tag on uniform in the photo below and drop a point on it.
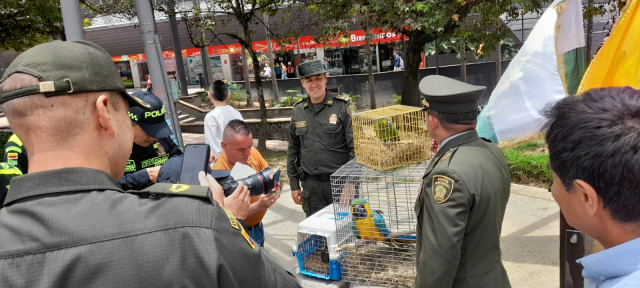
(333, 119)
(301, 124)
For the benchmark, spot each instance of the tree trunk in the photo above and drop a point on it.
(1, 65)
(175, 40)
(435, 47)
(206, 67)
(498, 62)
(367, 49)
(463, 62)
(415, 45)
(274, 81)
(262, 141)
(589, 31)
(247, 81)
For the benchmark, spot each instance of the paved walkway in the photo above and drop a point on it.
(530, 240)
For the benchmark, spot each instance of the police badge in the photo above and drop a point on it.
(441, 188)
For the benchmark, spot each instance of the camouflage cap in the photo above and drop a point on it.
(310, 68)
(66, 67)
(444, 94)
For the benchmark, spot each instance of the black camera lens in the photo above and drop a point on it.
(259, 183)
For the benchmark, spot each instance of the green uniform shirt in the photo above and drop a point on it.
(460, 211)
(321, 140)
(74, 227)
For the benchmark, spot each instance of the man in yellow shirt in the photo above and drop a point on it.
(237, 147)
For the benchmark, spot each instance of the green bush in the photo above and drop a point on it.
(238, 95)
(528, 162)
(397, 98)
(351, 97)
(287, 101)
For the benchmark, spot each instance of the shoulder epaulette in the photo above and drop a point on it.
(448, 155)
(301, 101)
(160, 190)
(343, 98)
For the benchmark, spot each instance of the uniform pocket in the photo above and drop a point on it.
(334, 135)
(300, 131)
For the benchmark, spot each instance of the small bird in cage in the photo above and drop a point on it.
(386, 130)
(367, 224)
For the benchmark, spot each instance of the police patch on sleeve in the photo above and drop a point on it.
(249, 240)
(441, 188)
(232, 219)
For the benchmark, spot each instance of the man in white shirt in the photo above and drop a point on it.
(219, 117)
(266, 72)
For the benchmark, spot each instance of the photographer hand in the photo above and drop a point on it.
(267, 200)
(238, 202)
(217, 193)
(153, 173)
(212, 158)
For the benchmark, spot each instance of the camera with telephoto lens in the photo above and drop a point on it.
(259, 183)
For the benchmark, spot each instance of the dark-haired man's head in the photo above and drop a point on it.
(594, 153)
(237, 141)
(219, 91)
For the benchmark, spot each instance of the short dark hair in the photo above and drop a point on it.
(219, 90)
(236, 127)
(447, 120)
(595, 137)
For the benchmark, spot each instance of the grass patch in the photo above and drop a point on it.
(278, 159)
(528, 162)
(128, 83)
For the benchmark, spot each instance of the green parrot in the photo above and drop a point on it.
(386, 130)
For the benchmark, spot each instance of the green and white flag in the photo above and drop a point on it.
(552, 58)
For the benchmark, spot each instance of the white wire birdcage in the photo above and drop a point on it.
(377, 236)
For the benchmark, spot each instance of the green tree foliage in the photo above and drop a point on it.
(333, 17)
(248, 16)
(24, 24)
(426, 21)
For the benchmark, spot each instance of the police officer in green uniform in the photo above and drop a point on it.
(152, 144)
(320, 139)
(15, 153)
(68, 224)
(464, 194)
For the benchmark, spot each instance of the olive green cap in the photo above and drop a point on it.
(310, 68)
(447, 95)
(66, 67)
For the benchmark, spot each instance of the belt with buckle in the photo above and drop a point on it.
(320, 177)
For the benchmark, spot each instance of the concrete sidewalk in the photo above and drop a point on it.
(529, 236)
(530, 230)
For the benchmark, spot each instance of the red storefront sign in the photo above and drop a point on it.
(225, 49)
(351, 38)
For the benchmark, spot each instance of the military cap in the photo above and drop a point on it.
(152, 122)
(448, 95)
(310, 68)
(66, 67)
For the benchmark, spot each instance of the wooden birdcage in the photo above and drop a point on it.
(391, 137)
